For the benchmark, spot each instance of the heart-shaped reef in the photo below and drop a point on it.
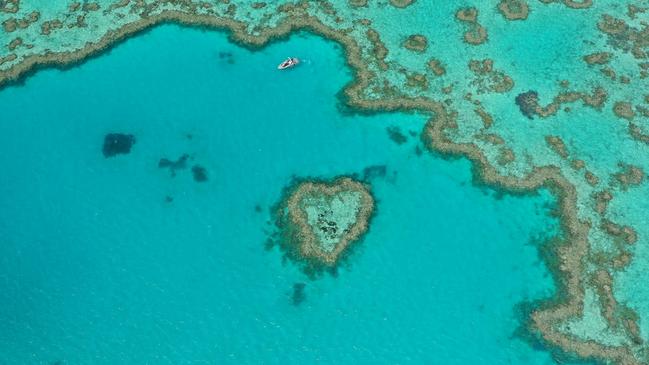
(320, 220)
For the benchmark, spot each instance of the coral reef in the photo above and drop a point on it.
(320, 220)
(179, 164)
(416, 43)
(475, 34)
(514, 9)
(298, 295)
(117, 144)
(489, 80)
(199, 173)
(528, 102)
(601, 228)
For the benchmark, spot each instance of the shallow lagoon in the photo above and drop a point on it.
(98, 267)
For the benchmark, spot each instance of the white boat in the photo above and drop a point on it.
(288, 63)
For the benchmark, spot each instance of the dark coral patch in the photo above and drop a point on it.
(528, 102)
(227, 57)
(299, 295)
(374, 172)
(200, 173)
(117, 143)
(179, 164)
(396, 135)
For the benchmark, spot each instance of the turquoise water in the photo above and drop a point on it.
(97, 268)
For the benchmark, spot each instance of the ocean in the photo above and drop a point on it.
(118, 261)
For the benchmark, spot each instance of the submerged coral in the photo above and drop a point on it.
(528, 102)
(320, 220)
(199, 173)
(179, 164)
(117, 143)
(298, 296)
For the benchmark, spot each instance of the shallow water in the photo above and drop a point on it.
(97, 268)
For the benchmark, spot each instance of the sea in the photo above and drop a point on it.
(115, 260)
